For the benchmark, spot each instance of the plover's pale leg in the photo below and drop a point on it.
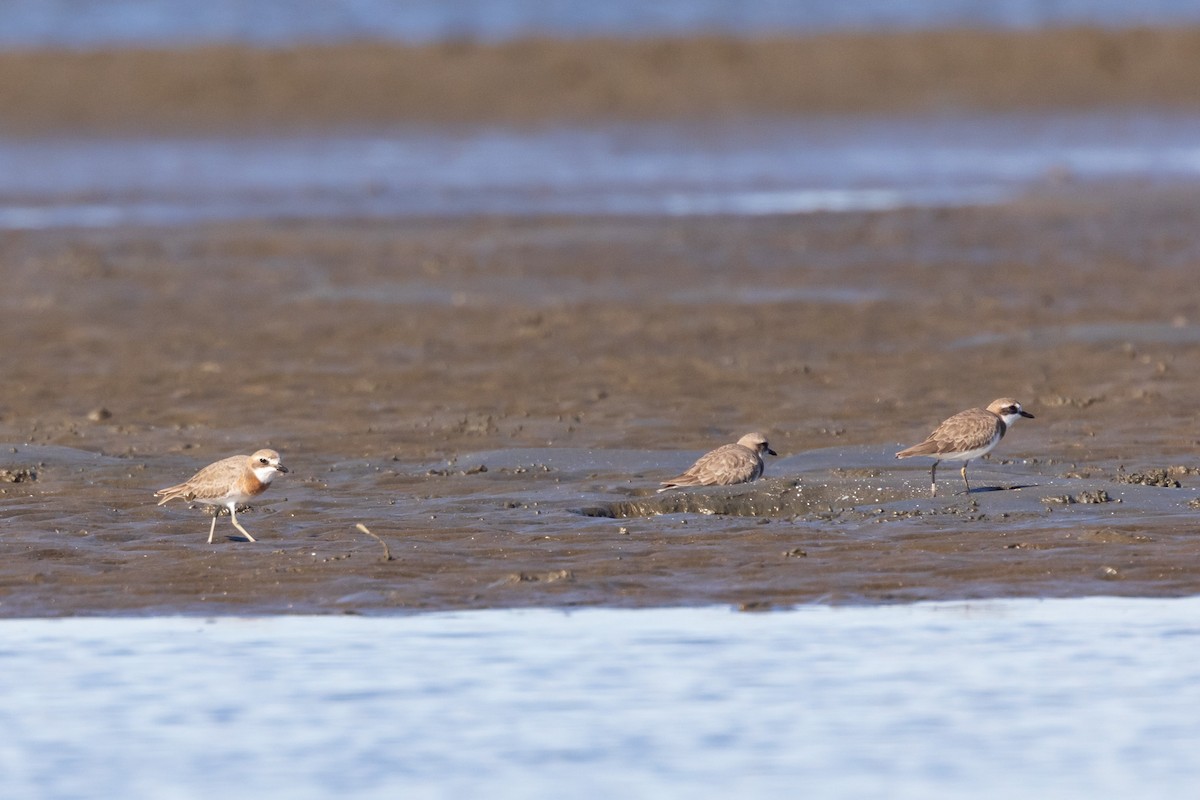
(233, 516)
(964, 474)
(212, 527)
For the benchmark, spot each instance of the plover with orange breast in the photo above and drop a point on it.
(727, 465)
(966, 436)
(226, 483)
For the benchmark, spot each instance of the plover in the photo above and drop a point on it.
(226, 483)
(727, 465)
(966, 436)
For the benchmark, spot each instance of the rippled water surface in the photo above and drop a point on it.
(1086, 698)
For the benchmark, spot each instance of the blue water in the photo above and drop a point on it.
(1082, 698)
(683, 169)
(91, 23)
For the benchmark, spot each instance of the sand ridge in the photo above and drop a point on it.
(233, 88)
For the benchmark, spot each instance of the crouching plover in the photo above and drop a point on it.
(966, 436)
(727, 465)
(226, 483)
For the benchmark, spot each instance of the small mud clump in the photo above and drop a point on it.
(18, 475)
(442, 473)
(1089, 496)
(1151, 477)
(554, 576)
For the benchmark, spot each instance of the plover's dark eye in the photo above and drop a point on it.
(262, 461)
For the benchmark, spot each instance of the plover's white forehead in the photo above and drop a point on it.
(265, 464)
(1005, 406)
(753, 440)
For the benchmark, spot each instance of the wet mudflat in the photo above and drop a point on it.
(496, 399)
(495, 395)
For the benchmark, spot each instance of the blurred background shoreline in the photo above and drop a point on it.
(238, 88)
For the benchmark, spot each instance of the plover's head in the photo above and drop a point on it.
(758, 443)
(1008, 410)
(265, 464)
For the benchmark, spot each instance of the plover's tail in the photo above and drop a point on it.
(181, 490)
(926, 448)
(679, 483)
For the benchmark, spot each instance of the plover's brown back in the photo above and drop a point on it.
(964, 432)
(211, 484)
(728, 465)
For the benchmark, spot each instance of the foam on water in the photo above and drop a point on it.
(1086, 698)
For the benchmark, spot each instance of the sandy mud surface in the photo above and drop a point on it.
(496, 400)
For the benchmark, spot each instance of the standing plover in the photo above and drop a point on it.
(226, 483)
(967, 435)
(727, 465)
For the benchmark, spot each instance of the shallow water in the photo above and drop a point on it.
(568, 527)
(1085, 698)
(756, 167)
